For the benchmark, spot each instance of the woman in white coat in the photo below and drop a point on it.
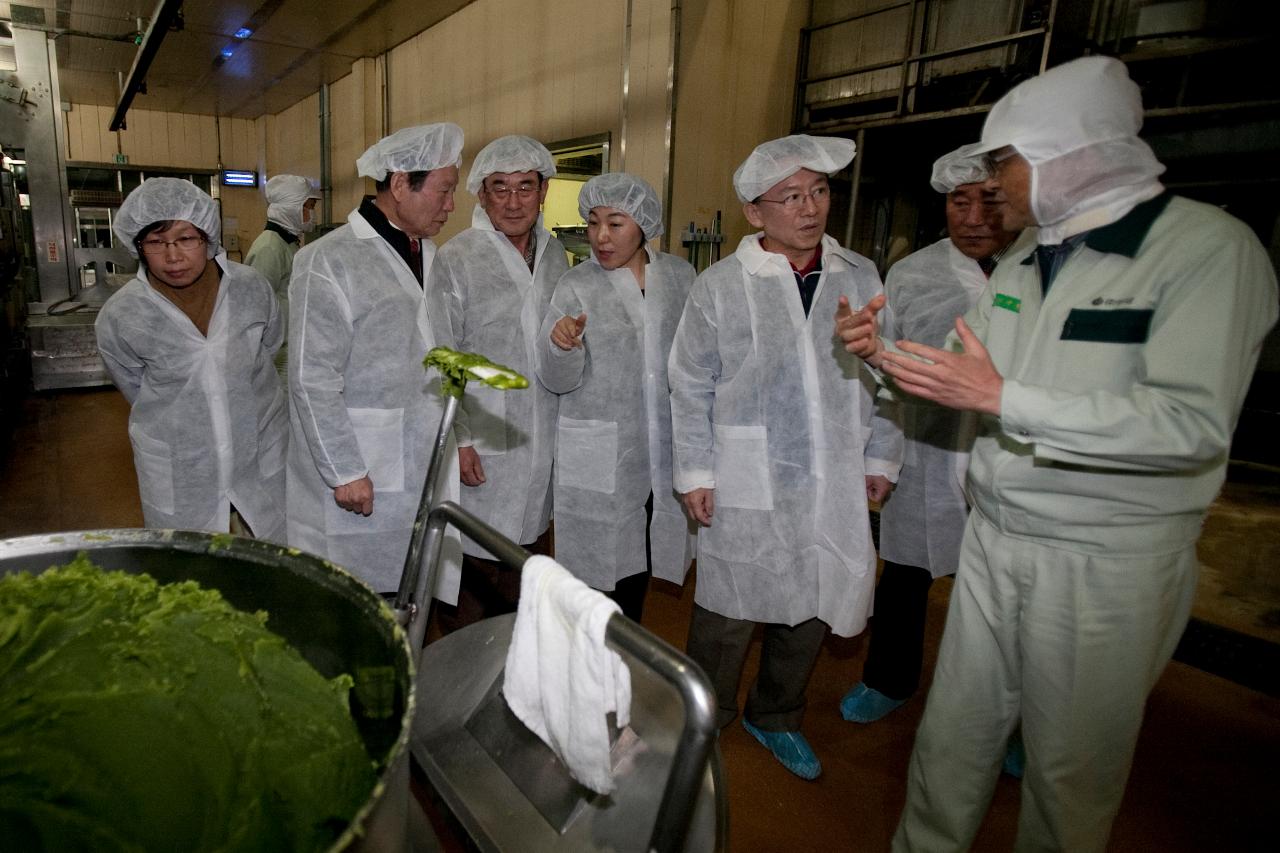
(189, 343)
(606, 338)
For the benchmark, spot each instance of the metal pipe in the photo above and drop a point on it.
(903, 83)
(802, 66)
(430, 487)
(857, 17)
(680, 796)
(933, 54)
(673, 74)
(165, 13)
(855, 186)
(1048, 35)
(413, 616)
(386, 92)
(698, 736)
(326, 156)
(626, 89)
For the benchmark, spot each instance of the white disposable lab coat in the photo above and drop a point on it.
(362, 404)
(613, 441)
(207, 421)
(773, 414)
(923, 520)
(485, 300)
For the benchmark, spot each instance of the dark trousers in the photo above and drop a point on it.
(629, 592)
(896, 652)
(487, 588)
(719, 645)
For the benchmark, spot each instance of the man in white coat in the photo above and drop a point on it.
(1108, 358)
(364, 411)
(922, 521)
(189, 343)
(490, 287)
(770, 423)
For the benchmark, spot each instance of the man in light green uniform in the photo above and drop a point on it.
(1109, 359)
(290, 213)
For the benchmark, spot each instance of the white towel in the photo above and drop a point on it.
(561, 679)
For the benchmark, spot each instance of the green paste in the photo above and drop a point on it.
(136, 716)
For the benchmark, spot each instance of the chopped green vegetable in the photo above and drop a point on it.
(141, 716)
(457, 367)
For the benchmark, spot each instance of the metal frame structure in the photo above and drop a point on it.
(166, 14)
(910, 61)
(699, 733)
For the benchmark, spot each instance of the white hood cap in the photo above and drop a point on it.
(286, 194)
(510, 154)
(164, 199)
(1077, 125)
(959, 167)
(413, 149)
(628, 193)
(779, 159)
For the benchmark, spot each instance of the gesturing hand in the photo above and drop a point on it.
(567, 332)
(860, 330)
(966, 380)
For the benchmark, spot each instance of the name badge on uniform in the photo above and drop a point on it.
(1007, 302)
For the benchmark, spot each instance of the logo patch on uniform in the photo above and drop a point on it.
(1007, 302)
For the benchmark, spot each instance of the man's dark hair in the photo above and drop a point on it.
(416, 180)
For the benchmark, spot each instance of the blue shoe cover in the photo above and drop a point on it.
(791, 750)
(1015, 757)
(864, 704)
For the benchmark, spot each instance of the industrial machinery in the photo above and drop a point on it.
(355, 636)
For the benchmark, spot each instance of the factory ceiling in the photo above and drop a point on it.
(241, 58)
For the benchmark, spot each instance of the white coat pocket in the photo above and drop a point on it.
(380, 434)
(153, 460)
(742, 467)
(587, 455)
(487, 419)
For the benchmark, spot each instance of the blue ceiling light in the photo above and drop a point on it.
(243, 33)
(227, 51)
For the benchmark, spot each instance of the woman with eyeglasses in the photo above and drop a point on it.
(189, 342)
(606, 338)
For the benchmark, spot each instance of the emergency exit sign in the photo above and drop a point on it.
(122, 159)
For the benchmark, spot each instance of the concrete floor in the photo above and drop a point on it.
(1205, 774)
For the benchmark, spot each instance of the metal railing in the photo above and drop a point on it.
(913, 57)
(698, 735)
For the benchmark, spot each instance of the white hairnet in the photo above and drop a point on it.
(164, 199)
(1077, 125)
(628, 193)
(510, 154)
(959, 167)
(413, 149)
(286, 194)
(779, 159)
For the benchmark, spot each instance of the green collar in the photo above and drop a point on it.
(1125, 236)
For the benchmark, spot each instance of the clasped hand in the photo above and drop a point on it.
(965, 380)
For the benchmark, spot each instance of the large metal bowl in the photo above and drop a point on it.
(336, 622)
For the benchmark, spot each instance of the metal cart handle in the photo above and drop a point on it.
(680, 796)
